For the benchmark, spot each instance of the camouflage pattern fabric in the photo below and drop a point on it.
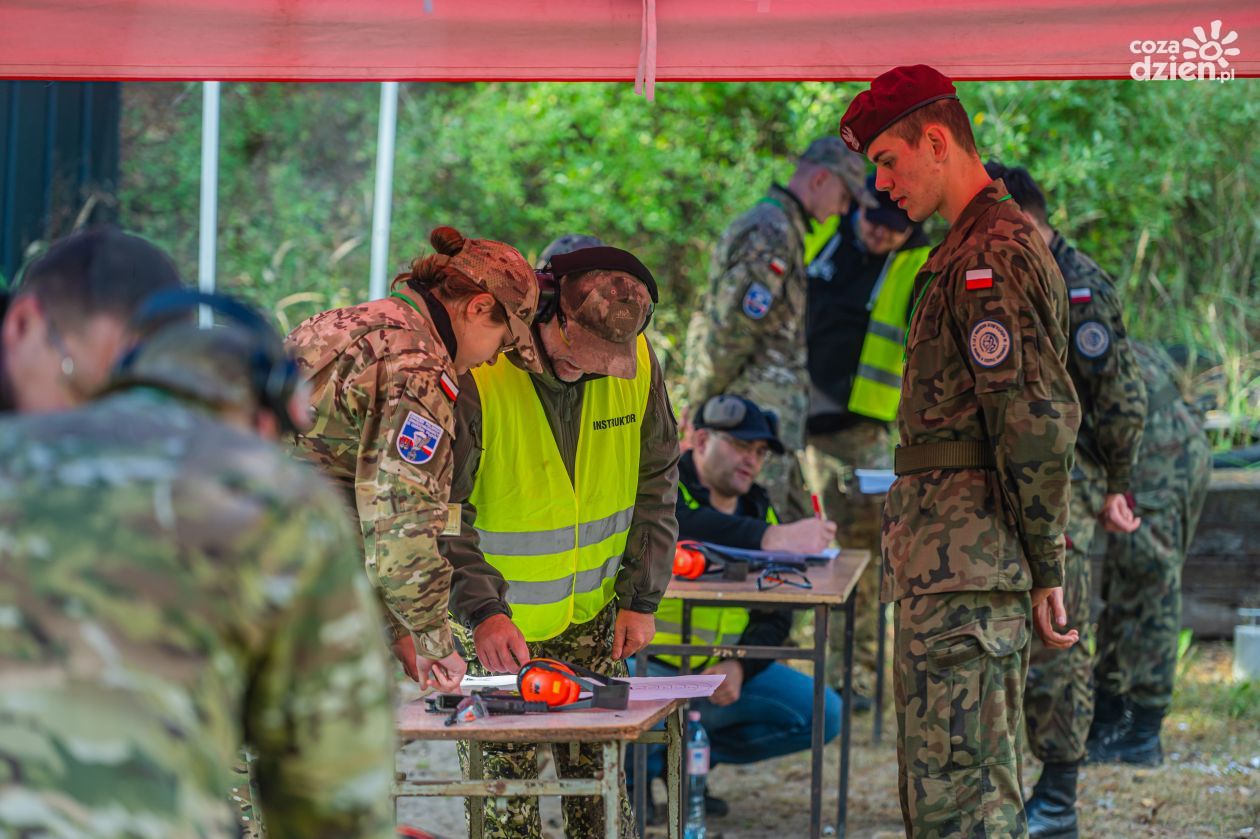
(748, 336)
(1141, 618)
(986, 361)
(1059, 699)
(959, 663)
(830, 461)
(383, 394)
(177, 588)
(589, 645)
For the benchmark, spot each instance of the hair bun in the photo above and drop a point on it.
(446, 240)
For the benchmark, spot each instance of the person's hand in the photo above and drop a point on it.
(445, 674)
(500, 646)
(729, 691)
(633, 632)
(807, 536)
(1117, 516)
(404, 650)
(685, 429)
(1048, 612)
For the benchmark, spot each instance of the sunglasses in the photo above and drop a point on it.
(773, 576)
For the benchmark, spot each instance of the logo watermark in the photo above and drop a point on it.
(1203, 57)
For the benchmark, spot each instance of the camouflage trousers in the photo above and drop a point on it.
(590, 645)
(1141, 617)
(830, 462)
(1059, 697)
(959, 664)
(782, 477)
(242, 796)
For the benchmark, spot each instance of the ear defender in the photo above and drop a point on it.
(689, 562)
(548, 680)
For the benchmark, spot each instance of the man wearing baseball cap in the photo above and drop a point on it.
(973, 542)
(565, 478)
(859, 306)
(748, 335)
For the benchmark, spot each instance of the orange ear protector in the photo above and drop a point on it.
(689, 561)
(560, 685)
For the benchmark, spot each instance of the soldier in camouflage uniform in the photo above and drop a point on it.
(591, 345)
(987, 424)
(384, 376)
(1141, 618)
(748, 336)
(1059, 697)
(67, 321)
(204, 597)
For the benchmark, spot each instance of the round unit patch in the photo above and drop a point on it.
(990, 343)
(757, 300)
(1092, 339)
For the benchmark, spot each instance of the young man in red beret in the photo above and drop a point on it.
(973, 526)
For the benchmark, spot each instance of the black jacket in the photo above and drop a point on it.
(744, 529)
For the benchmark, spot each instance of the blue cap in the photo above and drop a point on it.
(741, 418)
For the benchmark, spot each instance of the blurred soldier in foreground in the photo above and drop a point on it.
(177, 588)
(67, 320)
(987, 422)
(1059, 697)
(1141, 619)
(748, 336)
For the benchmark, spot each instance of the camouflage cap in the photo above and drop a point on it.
(567, 243)
(832, 154)
(603, 312)
(503, 272)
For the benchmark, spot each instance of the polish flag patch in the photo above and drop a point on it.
(449, 387)
(979, 278)
(778, 266)
(1080, 295)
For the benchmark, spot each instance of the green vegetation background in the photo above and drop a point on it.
(1156, 181)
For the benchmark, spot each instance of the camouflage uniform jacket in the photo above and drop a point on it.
(171, 589)
(749, 335)
(986, 361)
(384, 390)
(478, 590)
(1104, 371)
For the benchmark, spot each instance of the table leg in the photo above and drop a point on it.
(819, 656)
(638, 752)
(846, 719)
(476, 806)
(610, 784)
(674, 729)
(879, 671)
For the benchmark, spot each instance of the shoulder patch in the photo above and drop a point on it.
(990, 343)
(1083, 294)
(418, 439)
(757, 300)
(448, 386)
(1092, 339)
(979, 278)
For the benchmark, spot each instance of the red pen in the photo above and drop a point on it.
(818, 513)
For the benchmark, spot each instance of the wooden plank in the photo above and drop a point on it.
(832, 584)
(591, 725)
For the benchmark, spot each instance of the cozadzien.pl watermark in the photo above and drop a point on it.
(1203, 56)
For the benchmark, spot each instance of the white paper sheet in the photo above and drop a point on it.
(641, 687)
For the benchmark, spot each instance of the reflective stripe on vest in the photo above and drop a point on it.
(558, 542)
(720, 625)
(877, 384)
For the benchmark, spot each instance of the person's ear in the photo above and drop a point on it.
(23, 316)
(480, 305)
(937, 139)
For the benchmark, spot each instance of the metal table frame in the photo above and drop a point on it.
(818, 655)
(607, 783)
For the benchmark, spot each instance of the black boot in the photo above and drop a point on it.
(1108, 715)
(1137, 742)
(1051, 810)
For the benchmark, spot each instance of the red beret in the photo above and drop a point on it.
(892, 96)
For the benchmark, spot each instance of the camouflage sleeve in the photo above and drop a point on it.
(478, 590)
(1112, 394)
(402, 483)
(649, 559)
(319, 715)
(740, 311)
(1015, 342)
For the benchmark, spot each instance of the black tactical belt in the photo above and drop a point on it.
(954, 454)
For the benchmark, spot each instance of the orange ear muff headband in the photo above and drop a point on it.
(560, 685)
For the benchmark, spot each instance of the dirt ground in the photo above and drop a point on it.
(1209, 785)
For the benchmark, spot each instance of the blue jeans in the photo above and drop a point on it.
(772, 717)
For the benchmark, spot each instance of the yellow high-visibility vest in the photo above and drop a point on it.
(558, 542)
(716, 625)
(877, 383)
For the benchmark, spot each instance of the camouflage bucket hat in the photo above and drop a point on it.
(832, 154)
(503, 272)
(602, 313)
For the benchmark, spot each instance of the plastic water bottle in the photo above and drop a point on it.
(697, 773)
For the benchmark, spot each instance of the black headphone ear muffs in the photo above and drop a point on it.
(273, 375)
(723, 411)
(548, 294)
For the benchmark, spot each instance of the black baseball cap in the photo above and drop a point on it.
(886, 212)
(741, 418)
